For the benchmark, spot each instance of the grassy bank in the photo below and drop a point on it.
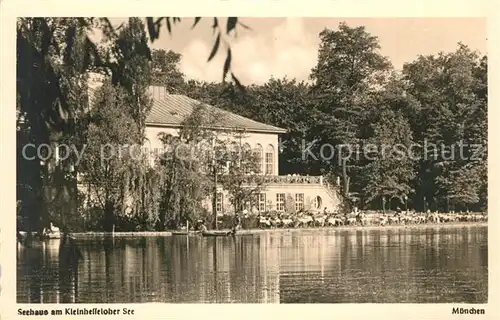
(286, 230)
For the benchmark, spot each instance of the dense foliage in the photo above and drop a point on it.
(430, 118)
(54, 58)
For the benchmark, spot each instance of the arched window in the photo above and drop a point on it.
(219, 203)
(259, 154)
(147, 147)
(246, 148)
(317, 202)
(234, 154)
(269, 160)
(235, 150)
(245, 153)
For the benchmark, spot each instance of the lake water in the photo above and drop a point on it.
(402, 265)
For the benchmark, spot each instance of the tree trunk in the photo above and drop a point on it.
(109, 215)
(168, 197)
(345, 177)
(162, 215)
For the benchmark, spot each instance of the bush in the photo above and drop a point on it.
(250, 222)
(91, 218)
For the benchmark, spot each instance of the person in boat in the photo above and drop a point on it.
(45, 233)
(54, 229)
(203, 227)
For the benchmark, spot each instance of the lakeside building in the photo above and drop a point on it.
(283, 193)
(280, 192)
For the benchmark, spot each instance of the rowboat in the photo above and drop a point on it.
(217, 233)
(23, 235)
(185, 232)
(53, 235)
(53, 232)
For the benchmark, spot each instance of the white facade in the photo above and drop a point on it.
(280, 193)
(268, 143)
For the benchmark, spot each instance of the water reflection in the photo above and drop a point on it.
(392, 266)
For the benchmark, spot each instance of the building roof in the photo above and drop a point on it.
(170, 110)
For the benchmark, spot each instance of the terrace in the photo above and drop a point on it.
(289, 179)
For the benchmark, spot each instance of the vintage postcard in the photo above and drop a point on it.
(329, 165)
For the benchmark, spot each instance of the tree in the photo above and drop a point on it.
(106, 159)
(165, 71)
(285, 103)
(465, 190)
(46, 48)
(131, 69)
(452, 92)
(241, 179)
(185, 185)
(349, 68)
(52, 55)
(390, 171)
(186, 165)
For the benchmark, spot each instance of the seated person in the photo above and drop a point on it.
(203, 227)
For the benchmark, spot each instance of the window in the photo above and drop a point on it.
(219, 202)
(147, 145)
(317, 202)
(280, 202)
(246, 149)
(299, 201)
(269, 160)
(258, 154)
(235, 151)
(234, 155)
(246, 152)
(261, 202)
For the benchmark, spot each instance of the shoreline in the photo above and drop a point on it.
(83, 235)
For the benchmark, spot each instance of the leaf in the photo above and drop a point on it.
(244, 25)
(227, 64)
(196, 20)
(231, 23)
(215, 25)
(120, 26)
(169, 26)
(238, 83)
(151, 29)
(215, 48)
(158, 27)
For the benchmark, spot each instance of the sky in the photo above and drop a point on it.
(279, 47)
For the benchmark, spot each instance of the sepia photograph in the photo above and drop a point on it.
(250, 160)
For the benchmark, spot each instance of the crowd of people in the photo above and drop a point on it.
(361, 218)
(307, 219)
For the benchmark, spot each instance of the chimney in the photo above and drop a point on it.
(158, 92)
(95, 80)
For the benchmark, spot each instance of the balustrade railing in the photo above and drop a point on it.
(292, 179)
